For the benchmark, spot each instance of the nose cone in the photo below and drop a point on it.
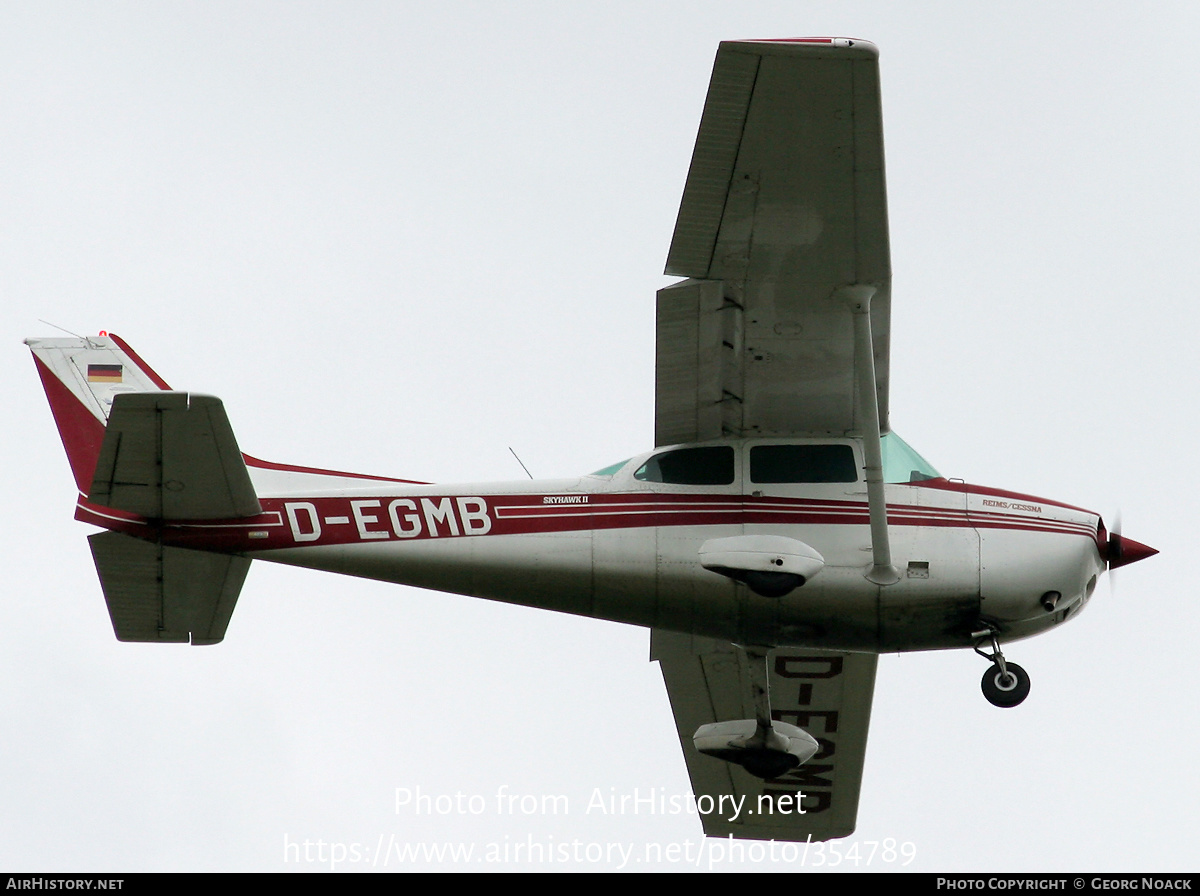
(1122, 551)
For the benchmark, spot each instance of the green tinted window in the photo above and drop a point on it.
(610, 471)
(902, 464)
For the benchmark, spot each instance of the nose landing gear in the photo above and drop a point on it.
(1004, 684)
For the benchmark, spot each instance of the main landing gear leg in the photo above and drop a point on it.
(765, 748)
(1004, 684)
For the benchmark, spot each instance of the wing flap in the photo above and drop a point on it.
(824, 692)
(172, 456)
(692, 380)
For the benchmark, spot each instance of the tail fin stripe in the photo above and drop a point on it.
(80, 431)
(136, 359)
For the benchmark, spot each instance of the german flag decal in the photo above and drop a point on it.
(104, 373)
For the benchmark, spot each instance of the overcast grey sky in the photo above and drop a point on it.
(398, 238)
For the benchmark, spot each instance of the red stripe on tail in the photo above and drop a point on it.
(80, 431)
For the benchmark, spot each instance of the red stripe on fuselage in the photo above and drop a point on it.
(318, 471)
(299, 522)
(948, 485)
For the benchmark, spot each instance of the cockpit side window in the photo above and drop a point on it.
(802, 463)
(690, 466)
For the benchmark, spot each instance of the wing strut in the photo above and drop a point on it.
(858, 297)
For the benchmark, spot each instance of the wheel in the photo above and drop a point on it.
(1002, 690)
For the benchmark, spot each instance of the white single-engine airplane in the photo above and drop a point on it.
(776, 541)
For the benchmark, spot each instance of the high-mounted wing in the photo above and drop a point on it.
(784, 204)
(826, 693)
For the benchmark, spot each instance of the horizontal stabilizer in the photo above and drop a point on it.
(172, 456)
(159, 593)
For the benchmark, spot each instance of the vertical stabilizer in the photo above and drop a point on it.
(82, 377)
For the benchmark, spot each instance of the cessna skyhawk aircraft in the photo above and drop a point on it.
(777, 539)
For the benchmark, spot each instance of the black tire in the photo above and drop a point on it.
(1005, 691)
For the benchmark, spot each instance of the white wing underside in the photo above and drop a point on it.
(784, 203)
(827, 694)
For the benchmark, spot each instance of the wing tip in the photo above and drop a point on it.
(814, 46)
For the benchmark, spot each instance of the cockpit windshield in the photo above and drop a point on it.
(902, 464)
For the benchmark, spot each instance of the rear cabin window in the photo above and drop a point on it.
(802, 463)
(690, 466)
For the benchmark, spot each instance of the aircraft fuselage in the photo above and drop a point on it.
(625, 549)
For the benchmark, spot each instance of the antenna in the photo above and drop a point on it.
(57, 327)
(523, 467)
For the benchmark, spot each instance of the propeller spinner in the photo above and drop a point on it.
(1121, 551)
